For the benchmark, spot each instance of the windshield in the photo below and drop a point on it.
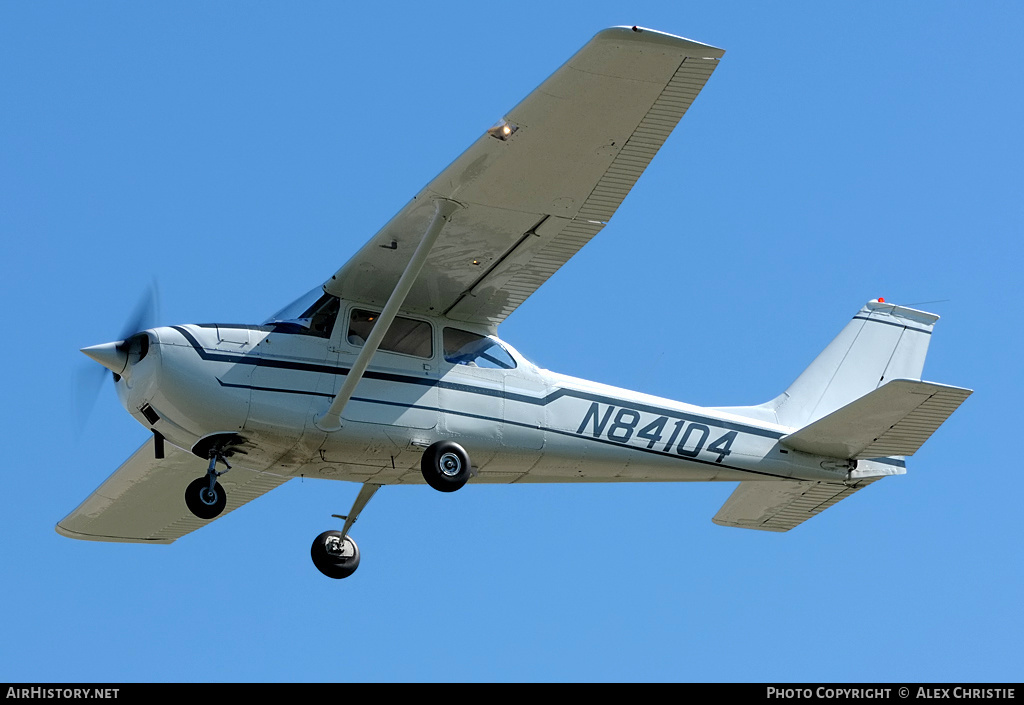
(313, 313)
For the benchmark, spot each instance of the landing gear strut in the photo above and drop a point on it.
(334, 553)
(204, 496)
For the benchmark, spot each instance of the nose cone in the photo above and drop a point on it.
(110, 355)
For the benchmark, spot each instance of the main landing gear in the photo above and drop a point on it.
(445, 466)
(335, 553)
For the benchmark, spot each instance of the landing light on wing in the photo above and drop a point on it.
(503, 130)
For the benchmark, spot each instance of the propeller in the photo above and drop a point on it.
(89, 377)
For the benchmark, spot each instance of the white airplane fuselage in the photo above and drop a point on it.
(518, 424)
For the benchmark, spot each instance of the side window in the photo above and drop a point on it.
(404, 336)
(465, 348)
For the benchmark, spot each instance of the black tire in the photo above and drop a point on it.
(445, 466)
(200, 502)
(330, 564)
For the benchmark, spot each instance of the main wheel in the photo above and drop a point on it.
(445, 466)
(334, 556)
(203, 502)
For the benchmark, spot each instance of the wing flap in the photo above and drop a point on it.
(517, 275)
(582, 140)
(895, 419)
(144, 502)
(780, 506)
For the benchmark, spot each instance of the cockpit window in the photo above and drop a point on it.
(465, 348)
(405, 335)
(311, 314)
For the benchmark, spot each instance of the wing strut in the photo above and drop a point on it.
(443, 210)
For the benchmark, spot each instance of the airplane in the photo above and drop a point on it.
(392, 372)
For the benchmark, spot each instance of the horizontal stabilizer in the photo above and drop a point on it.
(895, 419)
(779, 506)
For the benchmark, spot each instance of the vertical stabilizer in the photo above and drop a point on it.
(881, 343)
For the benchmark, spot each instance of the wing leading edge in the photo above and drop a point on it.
(532, 196)
(143, 501)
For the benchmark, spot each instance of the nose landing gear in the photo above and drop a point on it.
(204, 496)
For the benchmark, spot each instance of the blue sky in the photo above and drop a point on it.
(238, 154)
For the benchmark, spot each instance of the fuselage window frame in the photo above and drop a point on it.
(409, 337)
(463, 347)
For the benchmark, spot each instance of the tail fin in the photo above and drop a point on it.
(883, 342)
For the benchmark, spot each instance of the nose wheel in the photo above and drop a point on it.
(204, 501)
(204, 496)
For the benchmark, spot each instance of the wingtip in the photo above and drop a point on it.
(654, 36)
(67, 533)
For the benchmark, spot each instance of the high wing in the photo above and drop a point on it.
(142, 502)
(539, 185)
